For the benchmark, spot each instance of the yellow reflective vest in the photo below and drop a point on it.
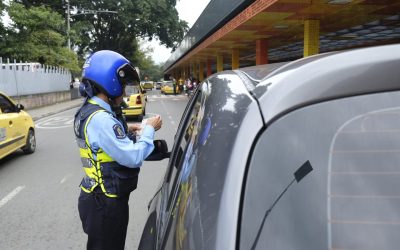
(101, 170)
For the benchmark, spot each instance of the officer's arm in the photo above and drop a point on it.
(113, 140)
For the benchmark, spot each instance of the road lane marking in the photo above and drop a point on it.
(171, 120)
(55, 122)
(65, 178)
(11, 195)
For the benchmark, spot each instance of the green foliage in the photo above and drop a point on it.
(134, 18)
(32, 37)
(2, 30)
(146, 64)
(39, 30)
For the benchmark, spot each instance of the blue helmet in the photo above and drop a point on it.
(109, 72)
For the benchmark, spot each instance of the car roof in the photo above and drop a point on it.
(324, 77)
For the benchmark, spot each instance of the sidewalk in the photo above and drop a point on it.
(41, 112)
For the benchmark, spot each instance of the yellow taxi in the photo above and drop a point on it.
(148, 85)
(168, 88)
(134, 102)
(17, 129)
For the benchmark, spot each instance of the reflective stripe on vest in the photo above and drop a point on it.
(100, 169)
(93, 171)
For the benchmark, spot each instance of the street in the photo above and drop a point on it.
(39, 192)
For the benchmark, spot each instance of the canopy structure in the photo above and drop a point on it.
(239, 33)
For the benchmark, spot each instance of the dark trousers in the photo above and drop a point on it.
(104, 220)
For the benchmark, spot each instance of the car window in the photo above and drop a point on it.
(351, 198)
(168, 83)
(131, 90)
(184, 154)
(185, 141)
(6, 106)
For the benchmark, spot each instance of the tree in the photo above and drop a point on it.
(146, 64)
(93, 28)
(2, 31)
(31, 37)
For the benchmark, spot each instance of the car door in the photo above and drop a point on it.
(11, 127)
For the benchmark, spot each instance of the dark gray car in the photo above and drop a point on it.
(299, 155)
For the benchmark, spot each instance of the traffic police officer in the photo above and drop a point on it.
(110, 159)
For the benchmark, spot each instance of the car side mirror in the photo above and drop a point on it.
(160, 151)
(20, 107)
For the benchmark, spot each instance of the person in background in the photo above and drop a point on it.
(110, 158)
(76, 83)
(180, 85)
(173, 84)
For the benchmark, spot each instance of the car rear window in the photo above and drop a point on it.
(351, 198)
(130, 90)
(168, 83)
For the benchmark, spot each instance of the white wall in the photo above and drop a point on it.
(18, 80)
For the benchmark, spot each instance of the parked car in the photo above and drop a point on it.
(135, 102)
(147, 85)
(168, 88)
(158, 85)
(17, 129)
(299, 155)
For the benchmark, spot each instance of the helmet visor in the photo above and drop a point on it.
(128, 75)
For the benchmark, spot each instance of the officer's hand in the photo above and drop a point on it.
(155, 122)
(134, 127)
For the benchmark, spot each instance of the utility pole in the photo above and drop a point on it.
(68, 25)
(84, 12)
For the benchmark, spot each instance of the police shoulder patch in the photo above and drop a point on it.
(119, 132)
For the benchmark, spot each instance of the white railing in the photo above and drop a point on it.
(17, 79)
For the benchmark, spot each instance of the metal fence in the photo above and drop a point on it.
(19, 79)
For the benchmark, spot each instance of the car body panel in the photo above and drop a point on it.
(309, 81)
(222, 140)
(14, 126)
(133, 107)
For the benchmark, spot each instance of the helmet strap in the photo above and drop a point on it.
(117, 109)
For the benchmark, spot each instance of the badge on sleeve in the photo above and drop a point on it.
(119, 132)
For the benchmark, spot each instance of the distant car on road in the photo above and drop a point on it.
(158, 85)
(17, 129)
(299, 155)
(168, 88)
(149, 85)
(135, 102)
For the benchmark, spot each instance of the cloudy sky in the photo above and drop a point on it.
(189, 10)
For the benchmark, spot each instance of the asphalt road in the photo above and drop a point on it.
(38, 192)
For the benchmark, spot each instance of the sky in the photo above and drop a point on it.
(188, 10)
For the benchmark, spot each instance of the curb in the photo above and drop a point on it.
(37, 117)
